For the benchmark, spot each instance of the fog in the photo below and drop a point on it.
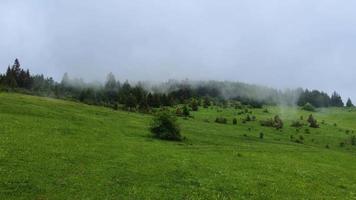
(276, 43)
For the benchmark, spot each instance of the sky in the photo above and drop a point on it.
(277, 43)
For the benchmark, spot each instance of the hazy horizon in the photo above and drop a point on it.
(280, 44)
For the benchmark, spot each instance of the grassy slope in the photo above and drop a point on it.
(53, 149)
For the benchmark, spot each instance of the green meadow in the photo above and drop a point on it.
(55, 149)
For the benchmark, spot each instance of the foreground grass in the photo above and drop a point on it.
(52, 149)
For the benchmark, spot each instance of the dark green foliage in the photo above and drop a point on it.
(254, 103)
(206, 102)
(313, 123)
(186, 112)
(297, 124)
(353, 140)
(165, 126)
(315, 98)
(248, 118)
(276, 122)
(179, 112)
(234, 121)
(131, 102)
(221, 120)
(308, 107)
(261, 135)
(112, 92)
(336, 100)
(194, 104)
(349, 103)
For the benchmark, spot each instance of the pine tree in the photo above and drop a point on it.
(349, 103)
(194, 104)
(110, 82)
(336, 100)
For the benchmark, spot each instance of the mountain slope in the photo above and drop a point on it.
(53, 149)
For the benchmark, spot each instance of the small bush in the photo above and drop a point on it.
(234, 121)
(248, 118)
(297, 124)
(308, 107)
(312, 122)
(179, 112)
(165, 126)
(194, 104)
(353, 140)
(221, 120)
(299, 141)
(301, 138)
(276, 122)
(261, 135)
(186, 112)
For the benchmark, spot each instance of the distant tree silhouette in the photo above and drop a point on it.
(349, 103)
(336, 100)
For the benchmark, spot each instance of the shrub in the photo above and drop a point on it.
(186, 112)
(297, 124)
(165, 126)
(301, 138)
(194, 104)
(179, 112)
(308, 107)
(248, 118)
(353, 140)
(312, 122)
(234, 121)
(276, 122)
(221, 120)
(253, 118)
(261, 135)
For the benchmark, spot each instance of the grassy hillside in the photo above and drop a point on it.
(53, 149)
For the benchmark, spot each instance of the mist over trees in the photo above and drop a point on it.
(142, 96)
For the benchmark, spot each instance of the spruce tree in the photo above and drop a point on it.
(349, 103)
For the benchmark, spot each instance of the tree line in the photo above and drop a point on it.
(140, 97)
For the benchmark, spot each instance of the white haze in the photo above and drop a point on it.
(277, 43)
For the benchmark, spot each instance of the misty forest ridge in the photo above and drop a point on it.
(167, 99)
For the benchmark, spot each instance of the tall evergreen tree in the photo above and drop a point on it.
(349, 103)
(110, 82)
(336, 100)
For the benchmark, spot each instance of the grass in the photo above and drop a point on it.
(53, 149)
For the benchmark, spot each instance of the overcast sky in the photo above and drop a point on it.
(279, 43)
